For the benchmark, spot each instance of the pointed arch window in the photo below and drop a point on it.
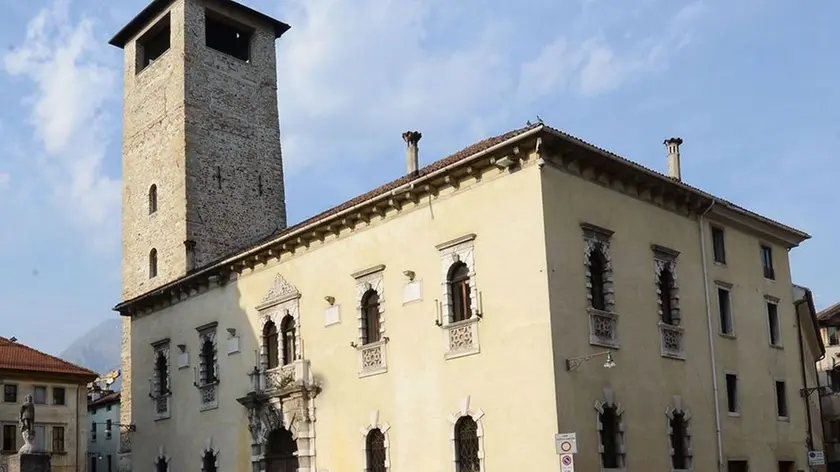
(208, 361)
(609, 420)
(680, 445)
(458, 280)
(666, 296)
(162, 373)
(597, 271)
(271, 341)
(153, 263)
(466, 445)
(161, 465)
(370, 317)
(208, 462)
(375, 451)
(153, 199)
(287, 328)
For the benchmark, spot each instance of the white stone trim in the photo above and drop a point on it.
(211, 449)
(669, 413)
(609, 400)
(598, 239)
(162, 457)
(476, 415)
(282, 299)
(370, 279)
(160, 400)
(671, 335)
(458, 250)
(384, 428)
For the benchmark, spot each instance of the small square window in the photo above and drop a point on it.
(832, 336)
(738, 466)
(9, 438)
(40, 394)
(59, 395)
(10, 392)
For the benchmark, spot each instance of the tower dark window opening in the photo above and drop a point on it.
(225, 36)
(154, 43)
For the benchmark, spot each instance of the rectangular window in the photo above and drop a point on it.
(9, 438)
(732, 393)
(725, 311)
(58, 395)
(40, 394)
(110, 462)
(773, 323)
(767, 262)
(93, 432)
(153, 43)
(225, 36)
(718, 245)
(737, 466)
(10, 393)
(781, 400)
(108, 429)
(787, 466)
(832, 336)
(93, 464)
(58, 439)
(834, 430)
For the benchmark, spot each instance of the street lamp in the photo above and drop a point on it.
(573, 363)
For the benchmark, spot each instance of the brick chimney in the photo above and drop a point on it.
(412, 153)
(672, 146)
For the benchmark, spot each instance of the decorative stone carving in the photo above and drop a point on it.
(663, 259)
(598, 239)
(161, 458)
(462, 338)
(159, 395)
(279, 291)
(603, 328)
(282, 299)
(609, 401)
(383, 428)
(27, 425)
(671, 341)
(208, 388)
(686, 417)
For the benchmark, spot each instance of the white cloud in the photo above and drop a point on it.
(5, 178)
(71, 87)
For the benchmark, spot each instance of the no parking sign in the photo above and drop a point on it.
(567, 463)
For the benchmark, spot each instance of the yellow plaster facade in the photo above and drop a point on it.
(523, 213)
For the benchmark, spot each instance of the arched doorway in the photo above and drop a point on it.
(280, 452)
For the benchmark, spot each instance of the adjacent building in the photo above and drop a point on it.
(58, 389)
(456, 318)
(812, 350)
(829, 368)
(104, 437)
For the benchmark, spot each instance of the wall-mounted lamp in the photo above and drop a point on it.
(330, 300)
(182, 348)
(409, 274)
(232, 332)
(573, 363)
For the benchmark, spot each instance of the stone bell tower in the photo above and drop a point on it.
(201, 161)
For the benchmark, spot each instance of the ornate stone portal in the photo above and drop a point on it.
(281, 397)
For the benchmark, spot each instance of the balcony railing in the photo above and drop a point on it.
(603, 328)
(672, 341)
(462, 338)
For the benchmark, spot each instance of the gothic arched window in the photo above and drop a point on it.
(370, 317)
(287, 328)
(466, 445)
(208, 462)
(458, 280)
(161, 372)
(153, 200)
(153, 263)
(161, 465)
(666, 295)
(208, 361)
(610, 431)
(271, 341)
(375, 447)
(597, 273)
(680, 456)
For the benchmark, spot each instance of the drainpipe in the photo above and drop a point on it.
(718, 431)
(809, 439)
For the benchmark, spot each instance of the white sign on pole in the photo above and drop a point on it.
(566, 443)
(816, 458)
(567, 463)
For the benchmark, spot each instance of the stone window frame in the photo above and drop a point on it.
(462, 336)
(208, 392)
(728, 287)
(282, 299)
(209, 448)
(384, 428)
(669, 413)
(153, 199)
(161, 400)
(609, 400)
(603, 324)
(672, 344)
(771, 300)
(162, 457)
(372, 357)
(477, 416)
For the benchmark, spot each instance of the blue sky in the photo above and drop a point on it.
(751, 86)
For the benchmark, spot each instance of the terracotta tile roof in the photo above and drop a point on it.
(109, 398)
(17, 356)
(829, 312)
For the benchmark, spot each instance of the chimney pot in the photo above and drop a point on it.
(412, 153)
(672, 147)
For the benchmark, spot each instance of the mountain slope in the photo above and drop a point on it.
(98, 349)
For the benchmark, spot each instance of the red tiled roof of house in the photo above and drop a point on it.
(17, 356)
(829, 312)
(104, 400)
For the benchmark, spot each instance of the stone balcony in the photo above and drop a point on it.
(603, 328)
(671, 341)
(298, 373)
